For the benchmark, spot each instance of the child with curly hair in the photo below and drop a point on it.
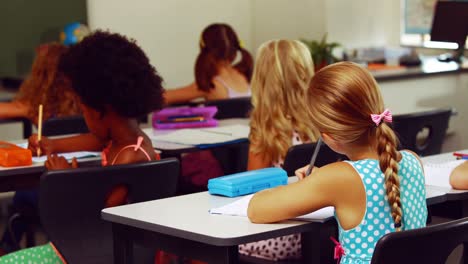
(279, 120)
(44, 85)
(115, 84)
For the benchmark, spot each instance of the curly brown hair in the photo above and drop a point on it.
(47, 86)
(108, 69)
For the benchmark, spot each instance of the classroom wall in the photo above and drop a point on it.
(275, 19)
(169, 30)
(26, 24)
(363, 23)
(413, 95)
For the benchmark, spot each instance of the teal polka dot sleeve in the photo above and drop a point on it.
(359, 242)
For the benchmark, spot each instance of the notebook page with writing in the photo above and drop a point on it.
(196, 136)
(437, 174)
(239, 208)
(237, 131)
(68, 155)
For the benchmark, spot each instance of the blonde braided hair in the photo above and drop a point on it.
(388, 161)
(342, 97)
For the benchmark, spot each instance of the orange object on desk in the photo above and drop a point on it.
(12, 155)
(384, 67)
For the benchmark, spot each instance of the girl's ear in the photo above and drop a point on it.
(331, 142)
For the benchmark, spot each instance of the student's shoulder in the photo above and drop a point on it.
(338, 171)
(412, 155)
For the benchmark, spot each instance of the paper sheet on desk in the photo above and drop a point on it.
(239, 208)
(216, 135)
(437, 174)
(68, 155)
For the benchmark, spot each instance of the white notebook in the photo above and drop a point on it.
(437, 174)
(201, 136)
(239, 208)
(68, 155)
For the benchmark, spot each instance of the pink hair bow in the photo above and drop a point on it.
(386, 115)
(339, 250)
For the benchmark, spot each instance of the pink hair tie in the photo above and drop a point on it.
(386, 115)
(339, 250)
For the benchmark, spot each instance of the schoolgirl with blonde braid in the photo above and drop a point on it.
(379, 190)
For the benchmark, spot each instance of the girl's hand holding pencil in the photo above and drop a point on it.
(307, 170)
(44, 146)
(301, 173)
(39, 129)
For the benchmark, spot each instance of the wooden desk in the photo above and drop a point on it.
(28, 177)
(232, 155)
(430, 66)
(174, 149)
(456, 205)
(182, 225)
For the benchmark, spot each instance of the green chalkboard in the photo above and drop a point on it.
(24, 24)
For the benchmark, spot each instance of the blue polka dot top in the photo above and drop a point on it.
(359, 242)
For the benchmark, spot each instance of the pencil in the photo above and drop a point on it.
(314, 156)
(39, 129)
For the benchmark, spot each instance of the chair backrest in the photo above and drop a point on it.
(432, 244)
(298, 156)
(64, 125)
(232, 108)
(422, 132)
(70, 204)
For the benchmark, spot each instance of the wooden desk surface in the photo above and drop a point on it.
(452, 194)
(179, 148)
(430, 66)
(187, 217)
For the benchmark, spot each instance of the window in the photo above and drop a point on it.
(417, 22)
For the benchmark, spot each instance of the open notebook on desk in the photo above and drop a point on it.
(68, 155)
(206, 137)
(239, 208)
(437, 174)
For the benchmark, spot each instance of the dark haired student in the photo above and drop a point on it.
(115, 84)
(216, 77)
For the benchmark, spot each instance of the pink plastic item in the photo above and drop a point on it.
(160, 119)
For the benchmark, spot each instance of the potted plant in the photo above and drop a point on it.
(321, 51)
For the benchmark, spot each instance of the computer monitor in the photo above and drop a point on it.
(450, 24)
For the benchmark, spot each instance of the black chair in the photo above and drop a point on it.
(232, 159)
(64, 125)
(231, 108)
(432, 244)
(50, 127)
(422, 132)
(298, 156)
(70, 204)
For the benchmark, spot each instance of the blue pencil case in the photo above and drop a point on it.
(243, 183)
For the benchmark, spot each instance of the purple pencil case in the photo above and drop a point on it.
(164, 119)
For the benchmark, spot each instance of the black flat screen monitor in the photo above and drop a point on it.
(450, 24)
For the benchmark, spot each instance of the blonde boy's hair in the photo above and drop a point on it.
(282, 72)
(342, 97)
